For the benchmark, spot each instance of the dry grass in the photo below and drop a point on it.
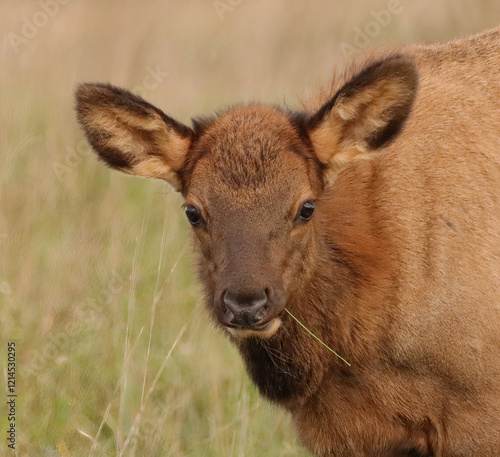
(115, 353)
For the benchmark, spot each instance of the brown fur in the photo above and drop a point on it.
(399, 268)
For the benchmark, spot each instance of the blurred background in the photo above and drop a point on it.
(115, 353)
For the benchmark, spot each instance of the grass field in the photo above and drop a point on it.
(115, 353)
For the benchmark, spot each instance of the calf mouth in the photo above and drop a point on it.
(263, 330)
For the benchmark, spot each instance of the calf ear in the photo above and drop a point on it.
(130, 134)
(365, 114)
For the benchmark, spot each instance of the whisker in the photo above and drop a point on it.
(276, 366)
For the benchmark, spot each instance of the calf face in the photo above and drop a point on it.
(251, 178)
(250, 214)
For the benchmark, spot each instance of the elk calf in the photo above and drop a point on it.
(373, 216)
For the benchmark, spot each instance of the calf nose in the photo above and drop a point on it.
(245, 309)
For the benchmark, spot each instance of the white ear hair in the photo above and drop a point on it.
(130, 134)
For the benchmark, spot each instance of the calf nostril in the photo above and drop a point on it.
(245, 309)
(260, 312)
(227, 312)
(229, 301)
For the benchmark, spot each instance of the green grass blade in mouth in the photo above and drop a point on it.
(315, 337)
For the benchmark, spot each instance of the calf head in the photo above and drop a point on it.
(251, 178)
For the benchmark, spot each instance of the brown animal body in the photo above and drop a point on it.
(374, 217)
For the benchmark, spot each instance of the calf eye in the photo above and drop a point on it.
(306, 211)
(194, 216)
